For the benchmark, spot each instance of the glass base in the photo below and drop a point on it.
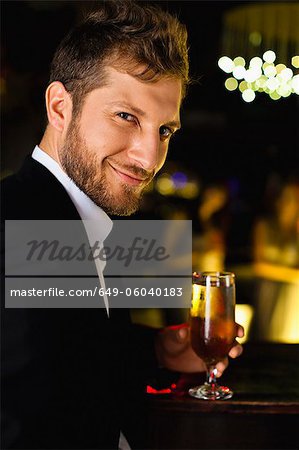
(211, 392)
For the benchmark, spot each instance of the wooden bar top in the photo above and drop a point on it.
(263, 413)
(265, 378)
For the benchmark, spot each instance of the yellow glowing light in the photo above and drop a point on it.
(295, 62)
(165, 185)
(295, 84)
(286, 330)
(255, 38)
(190, 190)
(239, 72)
(269, 56)
(274, 95)
(279, 68)
(287, 305)
(272, 84)
(252, 74)
(256, 62)
(243, 85)
(270, 71)
(243, 316)
(262, 75)
(286, 74)
(239, 61)
(248, 95)
(231, 84)
(287, 93)
(278, 273)
(284, 90)
(226, 64)
(261, 82)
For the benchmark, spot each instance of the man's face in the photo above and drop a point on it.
(120, 139)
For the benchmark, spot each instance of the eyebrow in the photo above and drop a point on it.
(174, 124)
(141, 113)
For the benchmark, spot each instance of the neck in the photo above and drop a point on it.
(50, 144)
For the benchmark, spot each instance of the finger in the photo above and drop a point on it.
(221, 366)
(240, 331)
(236, 351)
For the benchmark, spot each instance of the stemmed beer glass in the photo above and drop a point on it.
(212, 323)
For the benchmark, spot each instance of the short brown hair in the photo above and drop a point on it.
(121, 32)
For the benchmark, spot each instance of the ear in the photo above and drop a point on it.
(59, 106)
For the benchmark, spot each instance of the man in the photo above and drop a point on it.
(72, 378)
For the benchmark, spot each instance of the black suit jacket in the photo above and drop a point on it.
(71, 378)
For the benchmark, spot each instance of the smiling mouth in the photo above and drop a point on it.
(129, 178)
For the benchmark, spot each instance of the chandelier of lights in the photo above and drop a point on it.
(260, 48)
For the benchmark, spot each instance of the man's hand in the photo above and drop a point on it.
(174, 351)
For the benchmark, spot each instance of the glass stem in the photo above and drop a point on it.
(211, 377)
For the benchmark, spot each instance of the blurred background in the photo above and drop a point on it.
(232, 169)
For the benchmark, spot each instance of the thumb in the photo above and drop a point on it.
(172, 341)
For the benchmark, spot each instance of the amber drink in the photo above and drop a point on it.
(212, 323)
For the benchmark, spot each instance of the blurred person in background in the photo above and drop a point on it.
(209, 243)
(276, 264)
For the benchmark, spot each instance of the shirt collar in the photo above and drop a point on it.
(87, 209)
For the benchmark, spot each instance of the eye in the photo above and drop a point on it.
(166, 133)
(126, 116)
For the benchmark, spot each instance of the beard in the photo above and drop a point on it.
(83, 167)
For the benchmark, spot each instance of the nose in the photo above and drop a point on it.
(144, 150)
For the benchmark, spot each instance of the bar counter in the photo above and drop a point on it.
(262, 414)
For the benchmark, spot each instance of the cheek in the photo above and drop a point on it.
(105, 140)
(162, 157)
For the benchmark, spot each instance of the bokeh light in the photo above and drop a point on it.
(248, 95)
(239, 61)
(260, 75)
(295, 62)
(226, 64)
(269, 56)
(231, 84)
(239, 72)
(255, 38)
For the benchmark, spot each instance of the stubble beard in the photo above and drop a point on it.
(82, 166)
